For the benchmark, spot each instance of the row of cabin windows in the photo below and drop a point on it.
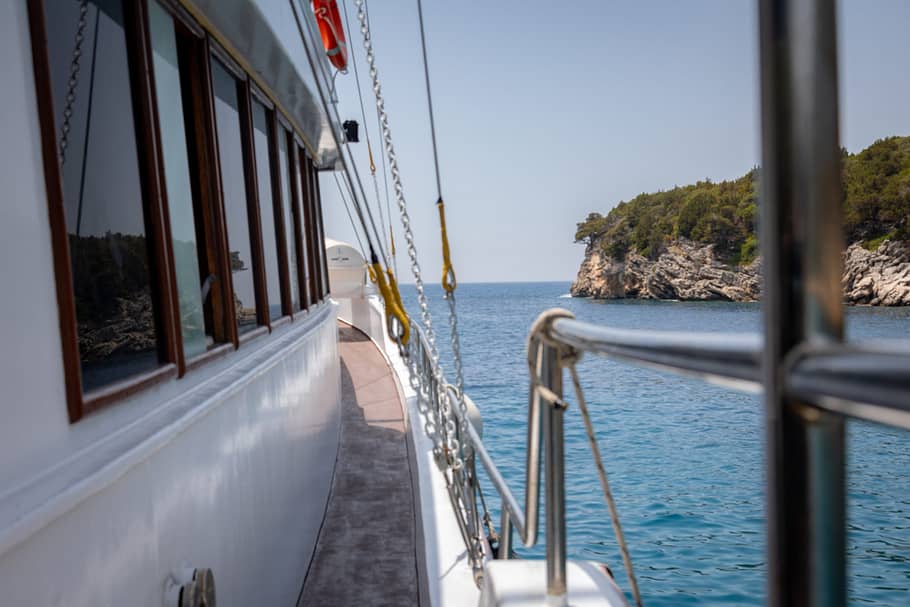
(191, 209)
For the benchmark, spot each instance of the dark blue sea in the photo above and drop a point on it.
(685, 459)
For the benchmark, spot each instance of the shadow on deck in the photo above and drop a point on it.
(366, 551)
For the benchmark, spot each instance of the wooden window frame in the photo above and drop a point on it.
(323, 261)
(81, 403)
(294, 152)
(244, 111)
(278, 129)
(306, 176)
(212, 195)
(203, 162)
(208, 203)
(254, 95)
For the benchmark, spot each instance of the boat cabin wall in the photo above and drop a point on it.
(227, 467)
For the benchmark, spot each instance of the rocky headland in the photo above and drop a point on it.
(689, 271)
(698, 242)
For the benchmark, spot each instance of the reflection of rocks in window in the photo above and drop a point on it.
(244, 315)
(114, 311)
(237, 264)
(102, 191)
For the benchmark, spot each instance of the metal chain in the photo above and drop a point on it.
(442, 425)
(70, 98)
(450, 442)
(450, 295)
(459, 368)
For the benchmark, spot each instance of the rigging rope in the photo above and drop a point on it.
(350, 217)
(426, 376)
(366, 130)
(342, 145)
(394, 312)
(426, 74)
(605, 485)
(449, 282)
(385, 172)
(444, 426)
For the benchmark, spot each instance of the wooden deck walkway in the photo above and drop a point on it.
(366, 551)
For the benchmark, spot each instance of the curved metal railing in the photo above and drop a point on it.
(810, 380)
(866, 381)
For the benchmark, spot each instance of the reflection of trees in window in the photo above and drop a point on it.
(102, 192)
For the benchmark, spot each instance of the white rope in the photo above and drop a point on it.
(605, 485)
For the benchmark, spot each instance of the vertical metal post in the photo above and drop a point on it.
(505, 534)
(554, 464)
(801, 247)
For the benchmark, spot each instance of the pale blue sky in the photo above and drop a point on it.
(547, 111)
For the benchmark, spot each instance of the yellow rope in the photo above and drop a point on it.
(393, 287)
(393, 307)
(448, 272)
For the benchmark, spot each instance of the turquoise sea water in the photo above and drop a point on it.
(685, 459)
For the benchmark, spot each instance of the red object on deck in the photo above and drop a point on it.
(332, 32)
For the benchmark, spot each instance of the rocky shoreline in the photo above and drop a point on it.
(690, 271)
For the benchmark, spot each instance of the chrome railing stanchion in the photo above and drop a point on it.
(505, 534)
(554, 463)
(801, 244)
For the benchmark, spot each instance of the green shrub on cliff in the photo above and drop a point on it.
(876, 204)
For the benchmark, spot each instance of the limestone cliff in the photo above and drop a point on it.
(687, 270)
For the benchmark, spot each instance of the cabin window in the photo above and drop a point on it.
(288, 208)
(173, 139)
(106, 222)
(183, 212)
(322, 253)
(309, 209)
(261, 142)
(302, 239)
(320, 235)
(179, 68)
(234, 194)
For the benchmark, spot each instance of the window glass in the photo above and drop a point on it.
(177, 179)
(102, 192)
(289, 230)
(266, 208)
(304, 222)
(312, 229)
(320, 237)
(230, 152)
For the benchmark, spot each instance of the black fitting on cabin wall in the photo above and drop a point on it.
(350, 130)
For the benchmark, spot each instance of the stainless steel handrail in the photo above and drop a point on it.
(809, 380)
(866, 381)
(719, 357)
